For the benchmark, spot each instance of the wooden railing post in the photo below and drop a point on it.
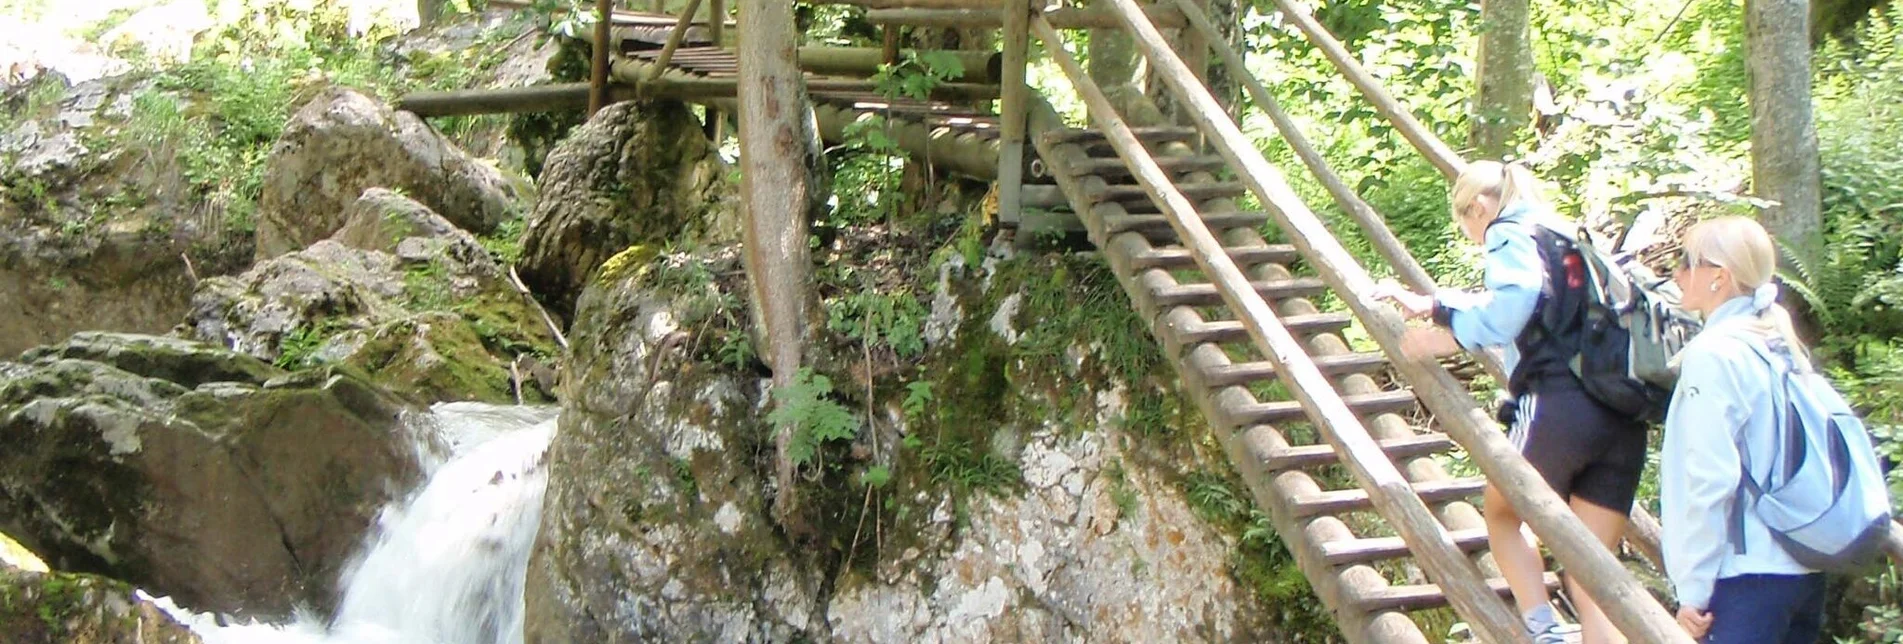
(1012, 109)
(598, 73)
(1391, 492)
(1623, 598)
(674, 39)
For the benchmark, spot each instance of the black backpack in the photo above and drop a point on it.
(1615, 323)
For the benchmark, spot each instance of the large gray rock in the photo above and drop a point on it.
(639, 172)
(399, 293)
(195, 472)
(342, 143)
(99, 229)
(656, 523)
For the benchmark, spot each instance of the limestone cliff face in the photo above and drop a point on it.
(656, 524)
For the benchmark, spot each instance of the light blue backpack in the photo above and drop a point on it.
(1824, 499)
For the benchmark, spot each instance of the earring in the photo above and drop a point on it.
(1714, 287)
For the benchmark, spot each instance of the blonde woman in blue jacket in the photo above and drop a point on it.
(1589, 454)
(1724, 400)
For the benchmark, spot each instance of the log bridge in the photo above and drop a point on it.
(1230, 308)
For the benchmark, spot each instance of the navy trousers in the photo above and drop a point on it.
(1767, 609)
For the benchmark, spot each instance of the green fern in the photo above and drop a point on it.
(807, 410)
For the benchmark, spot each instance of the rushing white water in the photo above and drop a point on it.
(446, 564)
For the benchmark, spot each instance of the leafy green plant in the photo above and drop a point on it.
(297, 349)
(890, 319)
(806, 409)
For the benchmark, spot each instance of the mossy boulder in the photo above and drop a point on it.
(638, 173)
(195, 471)
(398, 293)
(77, 608)
(342, 143)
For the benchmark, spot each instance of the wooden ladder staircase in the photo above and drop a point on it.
(1338, 454)
(1347, 552)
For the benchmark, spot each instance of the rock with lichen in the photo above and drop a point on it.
(194, 471)
(77, 608)
(400, 293)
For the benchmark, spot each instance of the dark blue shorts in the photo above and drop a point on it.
(1767, 609)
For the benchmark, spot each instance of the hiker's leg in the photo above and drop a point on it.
(1519, 561)
(1807, 618)
(1609, 526)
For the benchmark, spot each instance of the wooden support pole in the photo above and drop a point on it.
(1012, 108)
(1067, 18)
(889, 45)
(674, 38)
(716, 28)
(1625, 601)
(1430, 146)
(598, 72)
(1434, 549)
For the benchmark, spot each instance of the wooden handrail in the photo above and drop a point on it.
(1625, 601)
(1431, 146)
(1391, 492)
(1390, 247)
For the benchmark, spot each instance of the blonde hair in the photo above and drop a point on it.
(1741, 245)
(1506, 183)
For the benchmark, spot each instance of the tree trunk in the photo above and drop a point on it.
(778, 150)
(1503, 96)
(1116, 66)
(1784, 163)
(429, 11)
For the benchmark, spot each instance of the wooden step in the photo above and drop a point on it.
(1199, 191)
(1270, 413)
(1354, 551)
(1336, 365)
(1146, 134)
(1397, 449)
(1413, 597)
(1206, 295)
(1233, 331)
(1339, 501)
(1244, 257)
(1147, 223)
(1114, 167)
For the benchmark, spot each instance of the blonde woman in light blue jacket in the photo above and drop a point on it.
(1724, 401)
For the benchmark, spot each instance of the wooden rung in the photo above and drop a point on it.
(1147, 134)
(1218, 221)
(1339, 501)
(1270, 413)
(1398, 449)
(1335, 365)
(1354, 551)
(1414, 597)
(1233, 331)
(1245, 257)
(1194, 191)
(1206, 295)
(1114, 167)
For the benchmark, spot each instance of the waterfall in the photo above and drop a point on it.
(444, 565)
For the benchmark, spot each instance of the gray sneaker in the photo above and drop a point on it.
(1552, 635)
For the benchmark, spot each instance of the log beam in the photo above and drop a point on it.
(992, 19)
(980, 66)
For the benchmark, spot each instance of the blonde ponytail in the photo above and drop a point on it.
(1742, 245)
(1506, 183)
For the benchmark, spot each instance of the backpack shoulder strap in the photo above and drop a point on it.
(1748, 488)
